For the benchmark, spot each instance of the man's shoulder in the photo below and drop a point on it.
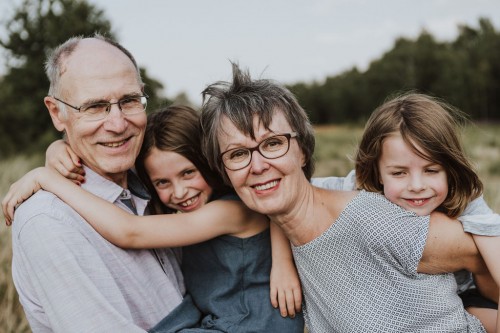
(42, 203)
(38, 202)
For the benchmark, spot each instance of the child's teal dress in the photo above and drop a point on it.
(227, 279)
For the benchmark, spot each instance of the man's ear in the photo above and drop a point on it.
(58, 116)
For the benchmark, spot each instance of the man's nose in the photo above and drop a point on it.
(115, 120)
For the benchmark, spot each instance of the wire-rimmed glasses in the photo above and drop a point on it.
(128, 105)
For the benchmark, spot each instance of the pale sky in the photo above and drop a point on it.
(187, 44)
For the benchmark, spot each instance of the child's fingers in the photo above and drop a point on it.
(290, 303)
(283, 304)
(63, 159)
(9, 204)
(70, 171)
(297, 296)
(74, 158)
(71, 166)
(274, 297)
(7, 210)
(77, 176)
(76, 172)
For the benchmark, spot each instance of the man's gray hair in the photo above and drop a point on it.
(54, 66)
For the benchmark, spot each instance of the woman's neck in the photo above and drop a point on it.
(308, 218)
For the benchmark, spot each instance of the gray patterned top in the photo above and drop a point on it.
(360, 275)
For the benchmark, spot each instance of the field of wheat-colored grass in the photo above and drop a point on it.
(335, 146)
(12, 319)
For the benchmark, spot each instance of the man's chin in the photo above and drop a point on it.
(113, 171)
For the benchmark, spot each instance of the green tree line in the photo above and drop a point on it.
(465, 72)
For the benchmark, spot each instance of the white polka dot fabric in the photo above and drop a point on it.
(360, 275)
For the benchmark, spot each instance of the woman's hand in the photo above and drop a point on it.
(60, 157)
(21, 191)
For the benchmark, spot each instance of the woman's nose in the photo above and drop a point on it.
(259, 163)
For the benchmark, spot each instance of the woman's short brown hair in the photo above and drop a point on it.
(243, 99)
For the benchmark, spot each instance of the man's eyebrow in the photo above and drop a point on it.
(132, 94)
(102, 100)
(94, 101)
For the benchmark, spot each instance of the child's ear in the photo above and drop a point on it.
(58, 116)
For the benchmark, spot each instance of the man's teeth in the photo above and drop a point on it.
(266, 186)
(113, 144)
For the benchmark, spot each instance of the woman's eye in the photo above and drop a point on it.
(272, 144)
(238, 154)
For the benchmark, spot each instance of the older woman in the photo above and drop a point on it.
(366, 265)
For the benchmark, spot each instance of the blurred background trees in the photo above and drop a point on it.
(33, 30)
(465, 72)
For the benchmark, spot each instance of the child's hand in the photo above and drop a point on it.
(20, 191)
(286, 291)
(62, 158)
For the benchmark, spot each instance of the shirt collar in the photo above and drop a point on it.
(111, 192)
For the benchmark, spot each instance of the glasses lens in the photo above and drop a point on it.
(131, 105)
(236, 158)
(274, 147)
(95, 111)
(128, 106)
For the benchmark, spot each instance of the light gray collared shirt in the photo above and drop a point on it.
(70, 279)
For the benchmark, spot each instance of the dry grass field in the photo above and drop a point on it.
(335, 146)
(12, 319)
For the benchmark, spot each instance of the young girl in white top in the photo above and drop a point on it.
(411, 152)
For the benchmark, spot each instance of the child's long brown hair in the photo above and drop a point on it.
(176, 129)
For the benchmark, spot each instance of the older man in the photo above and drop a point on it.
(68, 277)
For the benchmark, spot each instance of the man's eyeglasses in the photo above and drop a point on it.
(96, 111)
(271, 148)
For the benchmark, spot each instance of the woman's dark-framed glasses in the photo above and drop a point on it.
(96, 111)
(271, 148)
